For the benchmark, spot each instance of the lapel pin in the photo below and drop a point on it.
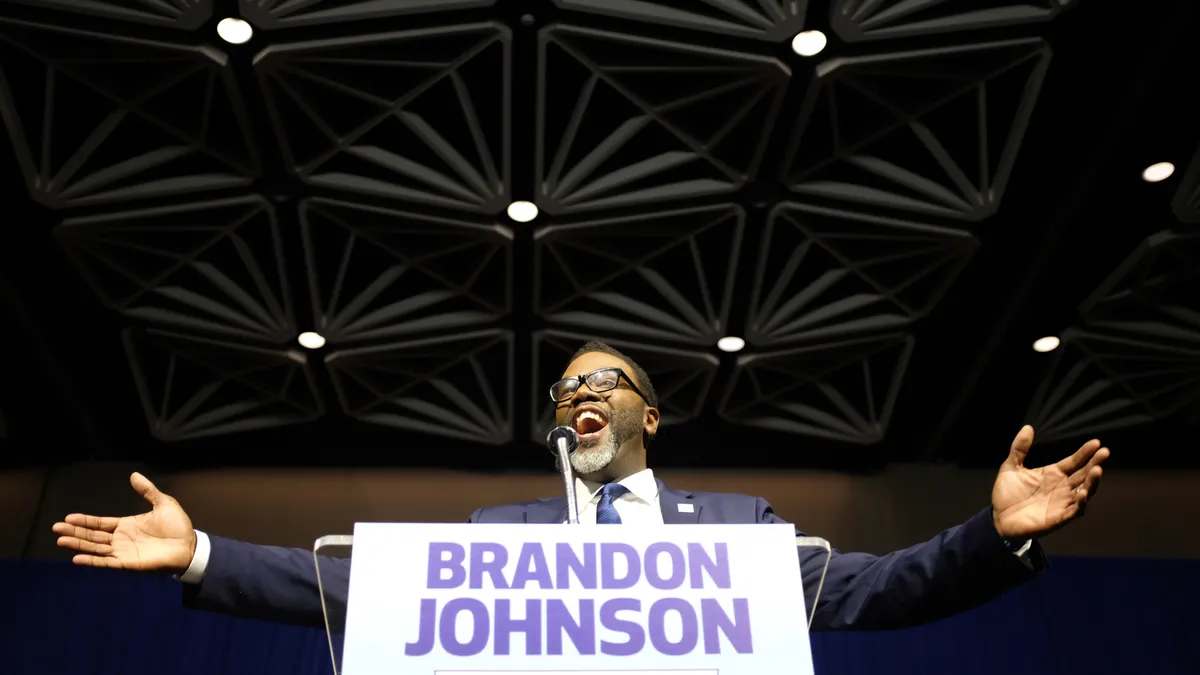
(687, 508)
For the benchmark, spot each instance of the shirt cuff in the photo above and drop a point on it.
(195, 571)
(1021, 553)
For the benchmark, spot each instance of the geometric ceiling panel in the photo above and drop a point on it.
(1186, 203)
(375, 273)
(457, 386)
(1135, 356)
(414, 116)
(681, 378)
(825, 273)
(192, 387)
(1157, 286)
(932, 131)
(97, 119)
(347, 172)
(214, 267)
(844, 390)
(625, 121)
(773, 20)
(1158, 366)
(1078, 398)
(660, 276)
(859, 20)
(183, 14)
(289, 13)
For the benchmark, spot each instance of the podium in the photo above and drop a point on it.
(525, 599)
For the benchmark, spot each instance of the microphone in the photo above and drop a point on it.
(562, 435)
(562, 441)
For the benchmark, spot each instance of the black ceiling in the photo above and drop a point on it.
(889, 225)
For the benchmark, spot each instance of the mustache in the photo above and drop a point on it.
(590, 404)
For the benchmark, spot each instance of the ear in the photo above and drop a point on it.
(650, 421)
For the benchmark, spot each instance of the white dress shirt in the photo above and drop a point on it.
(638, 506)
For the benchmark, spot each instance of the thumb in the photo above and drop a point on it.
(1020, 447)
(144, 487)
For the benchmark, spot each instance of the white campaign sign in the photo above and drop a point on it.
(468, 599)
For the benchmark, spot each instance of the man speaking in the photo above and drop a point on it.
(609, 400)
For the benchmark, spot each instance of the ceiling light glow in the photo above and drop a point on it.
(1046, 344)
(1156, 172)
(809, 42)
(731, 343)
(311, 340)
(522, 212)
(235, 31)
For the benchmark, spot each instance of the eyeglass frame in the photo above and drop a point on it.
(582, 379)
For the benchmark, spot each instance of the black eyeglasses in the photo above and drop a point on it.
(598, 381)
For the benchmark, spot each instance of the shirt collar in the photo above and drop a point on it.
(641, 485)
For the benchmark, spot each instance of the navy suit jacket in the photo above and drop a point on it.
(956, 570)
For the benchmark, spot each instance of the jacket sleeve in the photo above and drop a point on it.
(272, 583)
(269, 583)
(958, 569)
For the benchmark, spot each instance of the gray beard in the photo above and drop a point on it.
(590, 459)
(594, 456)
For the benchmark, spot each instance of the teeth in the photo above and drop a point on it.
(588, 415)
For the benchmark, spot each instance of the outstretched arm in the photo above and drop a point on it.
(266, 582)
(271, 583)
(966, 565)
(958, 569)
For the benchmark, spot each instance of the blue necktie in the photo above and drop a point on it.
(606, 513)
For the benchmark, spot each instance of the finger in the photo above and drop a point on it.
(1077, 478)
(104, 524)
(1092, 485)
(145, 488)
(1086, 490)
(96, 561)
(1020, 446)
(95, 536)
(1077, 510)
(1071, 464)
(77, 544)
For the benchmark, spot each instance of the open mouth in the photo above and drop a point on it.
(589, 422)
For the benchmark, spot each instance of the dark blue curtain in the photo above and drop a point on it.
(1084, 617)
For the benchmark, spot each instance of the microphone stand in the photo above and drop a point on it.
(563, 441)
(564, 458)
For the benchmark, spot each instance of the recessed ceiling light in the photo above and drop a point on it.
(235, 31)
(1046, 344)
(809, 43)
(522, 212)
(1157, 172)
(311, 340)
(731, 343)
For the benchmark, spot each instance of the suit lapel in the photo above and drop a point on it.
(554, 510)
(678, 506)
(547, 511)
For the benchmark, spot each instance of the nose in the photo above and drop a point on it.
(584, 394)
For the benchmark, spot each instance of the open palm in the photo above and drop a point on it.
(161, 539)
(1028, 503)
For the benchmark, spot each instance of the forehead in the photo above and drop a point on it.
(586, 363)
